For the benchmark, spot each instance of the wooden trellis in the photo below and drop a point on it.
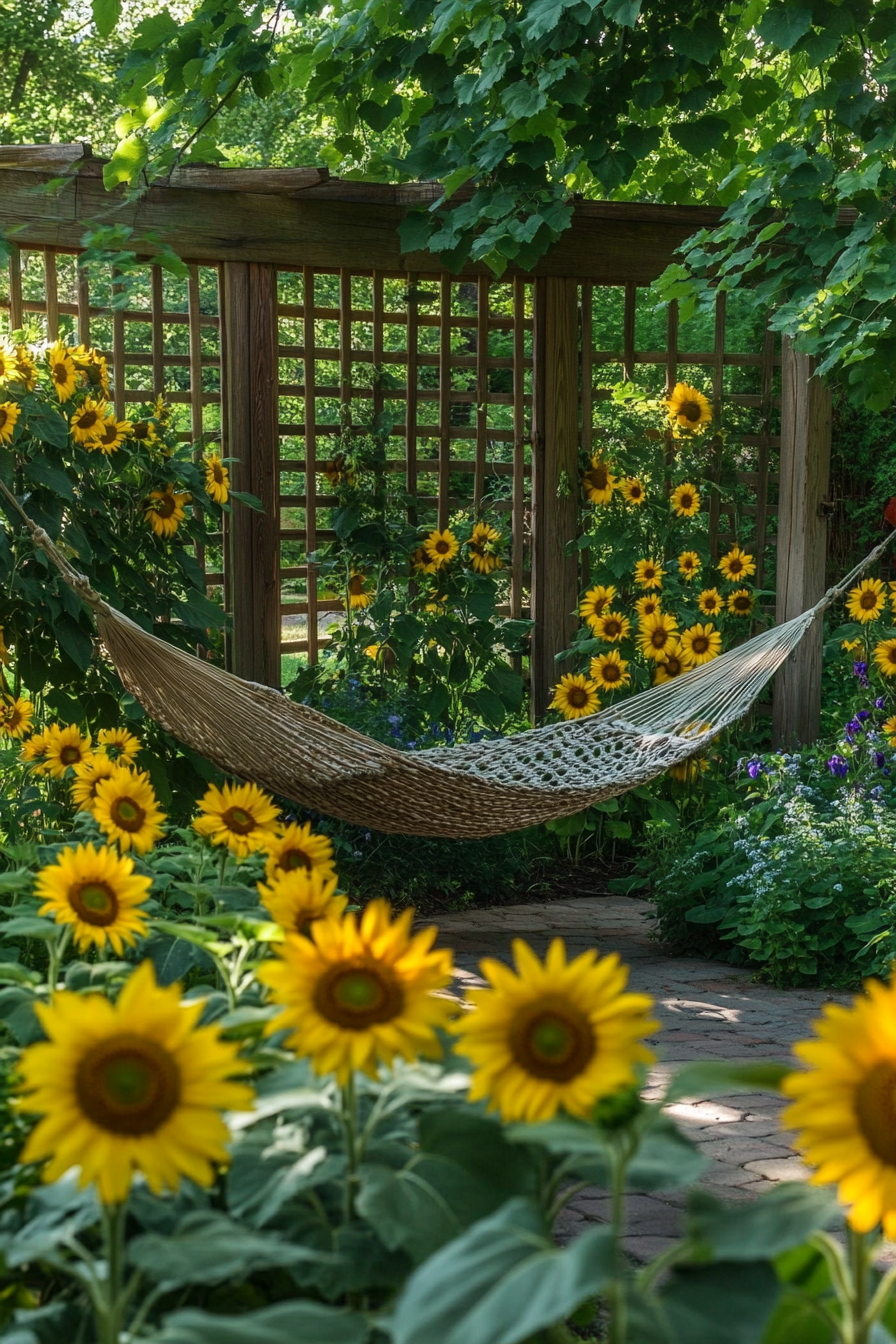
(302, 321)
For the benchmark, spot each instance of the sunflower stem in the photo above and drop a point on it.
(881, 1296)
(109, 1325)
(350, 1129)
(616, 1332)
(857, 1244)
(56, 951)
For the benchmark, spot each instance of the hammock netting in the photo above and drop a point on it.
(465, 792)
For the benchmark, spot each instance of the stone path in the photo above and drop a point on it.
(707, 1010)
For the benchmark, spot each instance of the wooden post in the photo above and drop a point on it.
(555, 480)
(250, 388)
(802, 542)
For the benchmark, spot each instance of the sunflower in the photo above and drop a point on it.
(612, 626)
(119, 744)
(112, 434)
(165, 512)
(648, 606)
(675, 663)
(65, 747)
(337, 471)
(632, 488)
(87, 423)
(737, 565)
(656, 633)
(850, 645)
(217, 479)
(358, 595)
(843, 1105)
(421, 563)
(357, 993)
(144, 431)
(575, 695)
(689, 770)
(553, 1035)
(98, 891)
(890, 729)
(4, 651)
(63, 374)
(687, 408)
(34, 751)
(131, 1086)
(885, 657)
(299, 848)
(9, 361)
(241, 816)
(15, 717)
(866, 601)
(9, 414)
(701, 643)
(592, 604)
(294, 900)
(87, 776)
(598, 483)
(608, 670)
(125, 808)
(26, 369)
(94, 366)
(741, 602)
(648, 574)
(711, 602)
(482, 546)
(161, 409)
(685, 500)
(689, 565)
(441, 547)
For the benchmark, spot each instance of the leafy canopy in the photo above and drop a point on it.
(779, 110)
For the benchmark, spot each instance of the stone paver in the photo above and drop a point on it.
(707, 1010)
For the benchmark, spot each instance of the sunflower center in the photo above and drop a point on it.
(94, 902)
(59, 373)
(612, 629)
(868, 601)
(141, 430)
(442, 547)
(672, 666)
(686, 501)
(291, 859)
(709, 604)
(690, 410)
(70, 755)
(14, 717)
(611, 672)
(735, 566)
(128, 1085)
(238, 820)
(356, 585)
(358, 994)
(109, 434)
(166, 506)
(87, 419)
(700, 644)
(649, 573)
(127, 814)
(634, 491)
(597, 476)
(891, 658)
(659, 638)
(553, 1040)
(741, 604)
(577, 696)
(876, 1110)
(217, 473)
(4, 416)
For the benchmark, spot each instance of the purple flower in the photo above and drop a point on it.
(754, 768)
(860, 669)
(852, 728)
(394, 719)
(880, 703)
(877, 793)
(838, 766)
(880, 760)
(863, 714)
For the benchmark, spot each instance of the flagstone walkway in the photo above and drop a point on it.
(708, 1011)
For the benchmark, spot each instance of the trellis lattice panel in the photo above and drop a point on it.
(164, 342)
(444, 367)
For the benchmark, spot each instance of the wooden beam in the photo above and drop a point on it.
(555, 471)
(607, 242)
(802, 542)
(250, 390)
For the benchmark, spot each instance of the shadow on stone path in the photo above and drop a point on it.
(707, 1010)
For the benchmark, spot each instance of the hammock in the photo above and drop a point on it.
(465, 792)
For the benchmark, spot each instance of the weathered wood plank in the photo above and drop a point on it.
(802, 543)
(554, 480)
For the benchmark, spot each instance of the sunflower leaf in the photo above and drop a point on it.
(284, 1323)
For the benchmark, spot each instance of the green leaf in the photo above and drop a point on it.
(711, 1079)
(211, 1248)
(501, 1282)
(699, 136)
(786, 1216)
(623, 12)
(73, 640)
(457, 179)
(128, 160)
(284, 1323)
(415, 231)
(30, 926)
(106, 14)
(380, 115)
(785, 24)
(705, 1305)
(41, 472)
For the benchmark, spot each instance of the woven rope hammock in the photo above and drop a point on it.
(465, 792)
